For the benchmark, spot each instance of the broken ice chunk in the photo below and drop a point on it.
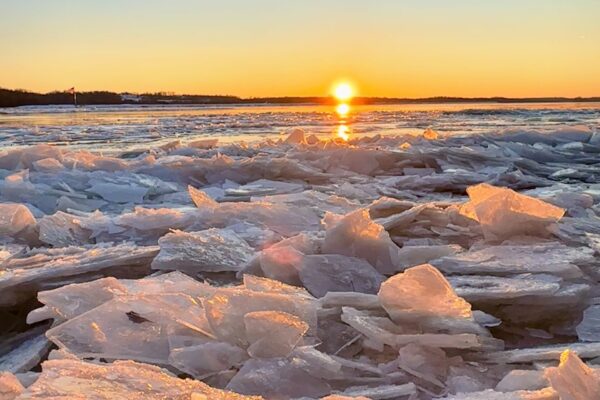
(26, 350)
(588, 329)
(48, 165)
(402, 219)
(205, 358)
(383, 331)
(476, 288)
(386, 206)
(486, 320)
(119, 193)
(118, 380)
(203, 143)
(86, 161)
(226, 308)
(421, 291)
(277, 379)
(27, 156)
(257, 237)
(264, 187)
(337, 273)
(172, 282)
(295, 136)
(34, 270)
(350, 299)
(430, 134)
(552, 257)
(258, 284)
(317, 363)
(129, 327)
(281, 263)
(572, 379)
(69, 301)
(201, 199)
(411, 256)
(18, 188)
(318, 201)
(143, 223)
(10, 387)
(356, 235)
(280, 218)
(381, 392)
(27, 378)
(489, 394)
(16, 221)
(62, 229)
(520, 379)
(504, 213)
(66, 203)
(211, 250)
(273, 333)
(428, 363)
(306, 243)
(553, 352)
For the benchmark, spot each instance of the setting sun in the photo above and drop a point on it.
(343, 91)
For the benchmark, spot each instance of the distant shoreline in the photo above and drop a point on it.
(16, 98)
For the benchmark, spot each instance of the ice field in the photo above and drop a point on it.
(424, 251)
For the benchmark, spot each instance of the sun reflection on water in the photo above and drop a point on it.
(343, 93)
(342, 109)
(343, 132)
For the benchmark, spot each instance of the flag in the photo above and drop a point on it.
(71, 90)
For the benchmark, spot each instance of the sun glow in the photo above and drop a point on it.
(343, 91)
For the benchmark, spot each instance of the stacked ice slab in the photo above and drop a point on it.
(304, 269)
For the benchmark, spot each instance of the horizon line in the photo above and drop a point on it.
(314, 97)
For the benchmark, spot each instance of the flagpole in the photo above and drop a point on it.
(75, 98)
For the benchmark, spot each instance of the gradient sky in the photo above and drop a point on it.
(299, 47)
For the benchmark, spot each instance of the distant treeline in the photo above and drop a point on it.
(445, 99)
(14, 98)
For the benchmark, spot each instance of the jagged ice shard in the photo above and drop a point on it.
(421, 291)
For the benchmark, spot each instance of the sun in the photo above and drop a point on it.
(343, 91)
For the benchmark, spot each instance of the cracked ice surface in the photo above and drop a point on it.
(386, 267)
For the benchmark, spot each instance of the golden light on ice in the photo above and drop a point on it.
(343, 92)
(342, 133)
(342, 109)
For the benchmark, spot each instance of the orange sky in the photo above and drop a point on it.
(400, 48)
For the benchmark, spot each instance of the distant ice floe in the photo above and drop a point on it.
(305, 268)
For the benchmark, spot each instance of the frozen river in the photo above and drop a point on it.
(135, 126)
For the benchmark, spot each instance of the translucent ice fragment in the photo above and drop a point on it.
(356, 235)
(273, 333)
(421, 291)
(504, 213)
(573, 379)
(337, 273)
(211, 250)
